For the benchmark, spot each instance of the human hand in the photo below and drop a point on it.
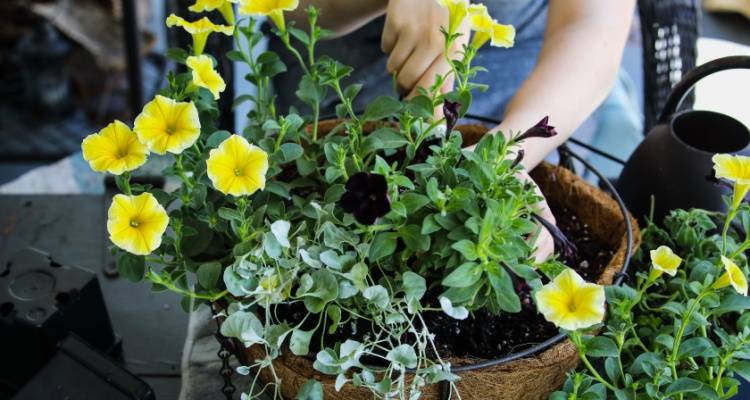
(545, 244)
(412, 39)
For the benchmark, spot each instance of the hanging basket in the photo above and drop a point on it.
(529, 374)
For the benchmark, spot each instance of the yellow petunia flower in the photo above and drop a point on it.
(166, 125)
(136, 223)
(457, 10)
(114, 149)
(224, 7)
(237, 168)
(735, 169)
(733, 275)
(485, 28)
(570, 302)
(273, 9)
(663, 260)
(204, 74)
(199, 29)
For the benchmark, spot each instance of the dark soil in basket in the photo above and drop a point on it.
(484, 335)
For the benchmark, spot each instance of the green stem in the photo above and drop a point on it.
(681, 331)
(181, 172)
(575, 336)
(297, 55)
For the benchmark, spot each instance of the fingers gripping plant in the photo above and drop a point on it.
(333, 244)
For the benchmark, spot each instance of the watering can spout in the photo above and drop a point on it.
(671, 168)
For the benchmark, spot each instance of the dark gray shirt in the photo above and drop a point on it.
(507, 68)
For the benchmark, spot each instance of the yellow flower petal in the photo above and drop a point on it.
(664, 260)
(733, 275)
(205, 76)
(736, 169)
(571, 303)
(237, 168)
(273, 9)
(136, 223)
(224, 7)
(199, 29)
(457, 11)
(487, 29)
(166, 125)
(114, 149)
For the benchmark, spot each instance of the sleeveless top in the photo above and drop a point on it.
(506, 68)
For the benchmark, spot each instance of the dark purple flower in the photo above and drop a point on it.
(519, 158)
(366, 197)
(540, 130)
(450, 110)
(566, 248)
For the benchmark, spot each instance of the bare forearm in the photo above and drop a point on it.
(576, 68)
(340, 16)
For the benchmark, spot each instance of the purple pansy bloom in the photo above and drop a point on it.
(366, 197)
(540, 130)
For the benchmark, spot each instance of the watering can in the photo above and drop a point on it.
(673, 163)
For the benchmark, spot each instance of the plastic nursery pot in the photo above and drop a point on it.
(532, 373)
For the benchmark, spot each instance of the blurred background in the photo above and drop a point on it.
(69, 67)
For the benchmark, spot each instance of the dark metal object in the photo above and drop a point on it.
(225, 354)
(42, 58)
(669, 30)
(673, 161)
(131, 34)
(40, 302)
(79, 371)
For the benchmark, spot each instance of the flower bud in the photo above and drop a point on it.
(540, 130)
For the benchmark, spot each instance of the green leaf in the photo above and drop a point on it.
(208, 274)
(177, 54)
(280, 230)
(453, 312)
(600, 346)
(502, 285)
(467, 248)
(429, 225)
(324, 290)
(290, 152)
(413, 201)
(245, 326)
(697, 346)
(299, 344)
(334, 314)
(310, 390)
(404, 355)
(383, 246)
(383, 138)
(229, 214)
(378, 295)
(732, 303)
(414, 286)
(217, 138)
(682, 385)
(381, 108)
(742, 368)
(131, 267)
(414, 239)
(463, 276)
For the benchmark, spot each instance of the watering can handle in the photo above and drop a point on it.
(693, 76)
